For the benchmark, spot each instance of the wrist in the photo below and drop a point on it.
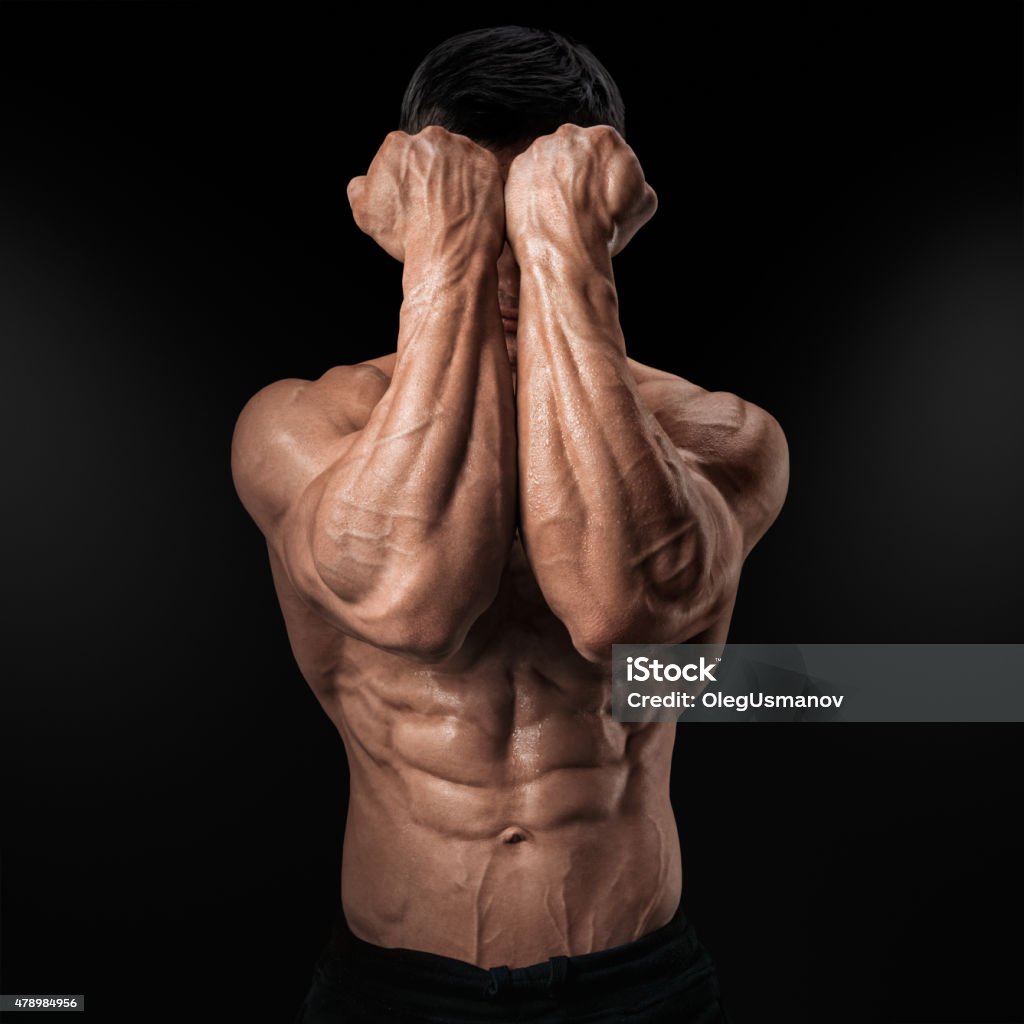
(537, 225)
(455, 269)
(561, 251)
(442, 238)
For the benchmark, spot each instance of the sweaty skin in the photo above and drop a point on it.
(459, 531)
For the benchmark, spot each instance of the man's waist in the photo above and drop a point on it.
(346, 952)
(520, 896)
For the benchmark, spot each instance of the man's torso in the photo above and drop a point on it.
(498, 814)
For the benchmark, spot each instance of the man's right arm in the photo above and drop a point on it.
(392, 507)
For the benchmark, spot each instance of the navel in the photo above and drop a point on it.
(514, 834)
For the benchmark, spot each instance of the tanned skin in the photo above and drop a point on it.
(460, 530)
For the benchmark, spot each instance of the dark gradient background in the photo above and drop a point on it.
(838, 240)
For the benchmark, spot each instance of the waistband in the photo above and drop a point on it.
(669, 948)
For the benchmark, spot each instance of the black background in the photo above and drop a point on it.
(838, 240)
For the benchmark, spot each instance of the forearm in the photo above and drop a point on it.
(626, 542)
(411, 529)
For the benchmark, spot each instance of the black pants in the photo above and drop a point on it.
(664, 976)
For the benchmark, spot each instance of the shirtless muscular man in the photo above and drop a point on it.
(460, 530)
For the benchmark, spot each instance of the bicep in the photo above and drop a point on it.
(736, 447)
(287, 440)
(290, 441)
(290, 433)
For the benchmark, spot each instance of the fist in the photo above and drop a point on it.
(431, 189)
(577, 184)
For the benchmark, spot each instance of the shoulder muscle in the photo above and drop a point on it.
(737, 445)
(292, 430)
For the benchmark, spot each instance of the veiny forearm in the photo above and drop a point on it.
(412, 528)
(628, 544)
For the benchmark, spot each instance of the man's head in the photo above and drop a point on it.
(503, 87)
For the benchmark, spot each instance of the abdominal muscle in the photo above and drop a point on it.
(498, 814)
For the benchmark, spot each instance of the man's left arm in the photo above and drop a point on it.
(633, 537)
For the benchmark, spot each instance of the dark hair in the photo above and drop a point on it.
(507, 85)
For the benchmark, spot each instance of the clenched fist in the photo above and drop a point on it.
(435, 190)
(577, 185)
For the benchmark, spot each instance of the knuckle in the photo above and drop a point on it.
(485, 158)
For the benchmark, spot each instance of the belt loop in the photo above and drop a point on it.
(558, 968)
(500, 983)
